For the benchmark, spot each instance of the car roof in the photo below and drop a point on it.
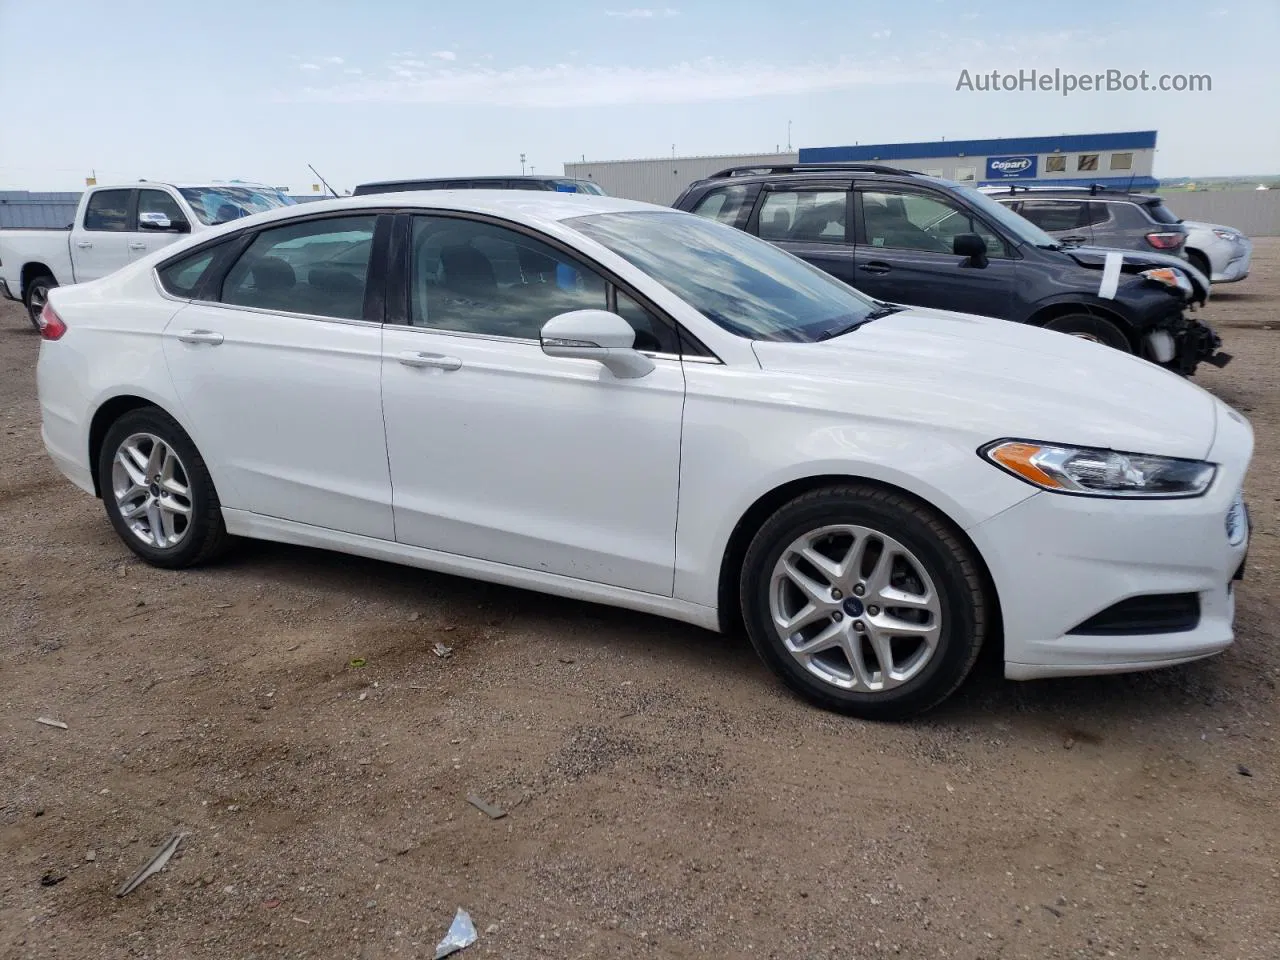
(754, 173)
(1071, 193)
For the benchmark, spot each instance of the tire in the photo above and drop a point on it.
(920, 561)
(1201, 263)
(1088, 327)
(36, 296)
(148, 445)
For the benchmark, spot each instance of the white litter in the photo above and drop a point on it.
(462, 933)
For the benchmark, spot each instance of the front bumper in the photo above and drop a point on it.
(1237, 267)
(1059, 560)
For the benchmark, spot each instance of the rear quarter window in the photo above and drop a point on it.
(181, 278)
(1162, 214)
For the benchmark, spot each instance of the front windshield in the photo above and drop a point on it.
(214, 205)
(743, 284)
(1022, 228)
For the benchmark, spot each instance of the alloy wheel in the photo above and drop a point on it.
(151, 490)
(855, 608)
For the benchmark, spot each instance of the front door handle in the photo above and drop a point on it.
(84, 244)
(876, 266)
(414, 358)
(201, 336)
(1076, 239)
(137, 245)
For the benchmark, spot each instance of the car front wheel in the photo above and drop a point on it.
(864, 601)
(157, 491)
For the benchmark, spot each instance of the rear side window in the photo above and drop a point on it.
(1162, 214)
(108, 211)
(318, 267)
(1053, 215)
(724, 204)
(812, 216)
(181, 278)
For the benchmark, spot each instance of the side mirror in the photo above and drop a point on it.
(154, 220)
(972, 246)
(596, 335)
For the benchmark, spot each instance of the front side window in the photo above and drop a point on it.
(914, 221)
(744, 285)
(108, 210)
(724, 204)
(157, 201)
(214, 205)
(317, 267)
(811, 216)
(473, 277)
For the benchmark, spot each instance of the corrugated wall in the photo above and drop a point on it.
(1256, 213)
(44, 211)
(662, 180)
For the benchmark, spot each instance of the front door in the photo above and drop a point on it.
(279, 379)
(809, 220)
(903, 253)
(499, 452)
(100, 245)
(147, 240)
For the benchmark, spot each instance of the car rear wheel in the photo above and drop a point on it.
(863, 601)
(37, 296)
(158, 493)
(1088, 327)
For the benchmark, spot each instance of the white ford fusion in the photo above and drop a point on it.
(627, 404)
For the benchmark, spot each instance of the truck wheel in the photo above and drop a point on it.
(1088, 327)
(37, 296)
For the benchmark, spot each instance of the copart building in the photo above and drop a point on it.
(1110, 159)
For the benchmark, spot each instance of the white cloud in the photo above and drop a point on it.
(641, 13)
(308, 66)
(336, 61)
(569, 85)
(445, 55)
(353, 71)
(881, 34)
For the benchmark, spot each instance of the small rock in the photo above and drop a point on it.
(371, 904)
(91, 856)
(364, 695)
(229, 889)
(414, 616)
(1243, 770)
(52, 878)
(491, 929)
(1068, 743)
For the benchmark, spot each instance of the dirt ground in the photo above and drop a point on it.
(665, 796)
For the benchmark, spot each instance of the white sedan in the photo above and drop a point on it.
(627, 404)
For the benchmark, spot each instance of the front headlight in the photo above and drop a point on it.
(1169, 277)
(1226, 235)
(1091, 472)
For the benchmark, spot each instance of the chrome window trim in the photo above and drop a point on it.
(498, 338)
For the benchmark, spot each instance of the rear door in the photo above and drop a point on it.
(1068, 220)
(809, 219)
(100, 244)
(903, 251)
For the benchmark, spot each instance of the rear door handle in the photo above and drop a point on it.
(876, 266)
(1075, 239)
(413, 358)
(84, 244)
(137, 245)
(201, 336)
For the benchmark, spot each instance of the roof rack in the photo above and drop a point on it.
(1093, 189)
(849, 167)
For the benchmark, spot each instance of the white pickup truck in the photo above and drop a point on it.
(115, 225)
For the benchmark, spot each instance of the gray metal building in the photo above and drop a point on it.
(45, 211)
(661, 180)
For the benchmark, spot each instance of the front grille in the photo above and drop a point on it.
(1153, 613)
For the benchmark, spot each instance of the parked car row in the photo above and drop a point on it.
(643, 407)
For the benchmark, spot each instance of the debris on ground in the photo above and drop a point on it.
(1243, 770)
(414, 616)
(52, 878)
(462, 933)
(358, 662)
(50, 722)
(90, 856)
(154, 865)
(1068, 743)
(488, 809)
(442, 651)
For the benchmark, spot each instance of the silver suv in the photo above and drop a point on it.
(1099, 217)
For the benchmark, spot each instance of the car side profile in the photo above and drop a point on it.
(627, 404)
(904, 237)
(557, 184)
(1100, 216)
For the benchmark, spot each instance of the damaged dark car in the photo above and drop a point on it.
(907, 238)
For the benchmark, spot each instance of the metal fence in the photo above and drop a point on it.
(1256, 213)
(46, 211)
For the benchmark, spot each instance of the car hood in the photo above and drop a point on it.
(993, 379)
(1135, 261)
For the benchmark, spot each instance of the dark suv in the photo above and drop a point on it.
(1098, 215)
(904, 237)
(560, 184)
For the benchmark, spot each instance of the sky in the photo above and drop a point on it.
(226, 89)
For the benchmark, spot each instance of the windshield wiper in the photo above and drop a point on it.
(884, 311)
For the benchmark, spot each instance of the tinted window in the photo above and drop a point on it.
(157, 201)
(219, 204)
(181, 277)
(741, 283)
(1097, 212)
(1055, 214)
(652, 334)
(804, 215)
(914, 221)
(317, 267)
(478, 278)
(724, 204)
(108, 210)
(1162, 214)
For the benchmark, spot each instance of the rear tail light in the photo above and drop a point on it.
(51, 325)
(1166, 241)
